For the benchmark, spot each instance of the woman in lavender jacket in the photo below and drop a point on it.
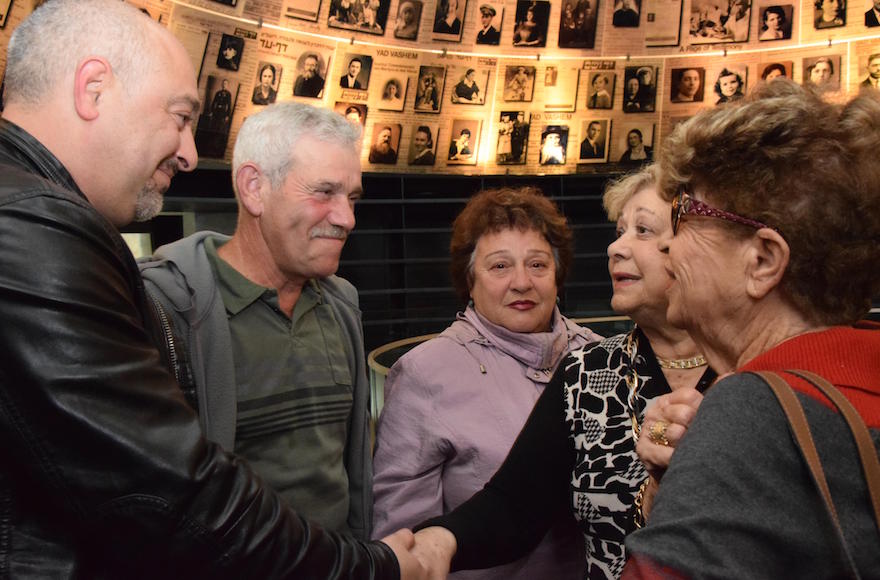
(455, 404)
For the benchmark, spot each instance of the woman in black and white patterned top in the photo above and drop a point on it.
(576, 454)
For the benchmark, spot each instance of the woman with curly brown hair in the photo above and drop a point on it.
(776, 222)
(455, 404)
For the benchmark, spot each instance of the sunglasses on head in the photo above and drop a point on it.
(683, 204)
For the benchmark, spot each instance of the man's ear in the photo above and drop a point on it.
(249, 182)
(92, 78)
(768, 256)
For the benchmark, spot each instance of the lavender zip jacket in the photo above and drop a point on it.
(453, 407)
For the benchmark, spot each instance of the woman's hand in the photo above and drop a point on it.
(666, 422)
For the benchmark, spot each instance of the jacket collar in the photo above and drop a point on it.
(19, 146)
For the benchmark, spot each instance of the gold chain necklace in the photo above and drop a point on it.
(682, 363)
(632, 381)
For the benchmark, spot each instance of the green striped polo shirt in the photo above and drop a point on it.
(294, 393)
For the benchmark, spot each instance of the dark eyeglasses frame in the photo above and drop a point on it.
(683, 204)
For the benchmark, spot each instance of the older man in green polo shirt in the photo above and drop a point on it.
(274, 338)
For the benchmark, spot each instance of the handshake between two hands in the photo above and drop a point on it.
(425, 555)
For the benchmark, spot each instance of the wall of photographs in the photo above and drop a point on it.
(505, 86)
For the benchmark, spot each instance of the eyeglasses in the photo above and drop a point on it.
(683, 204)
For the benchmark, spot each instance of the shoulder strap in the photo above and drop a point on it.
(798, 421)
(864, 443)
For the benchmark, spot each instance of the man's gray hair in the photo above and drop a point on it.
(48, 45)
(270, 137)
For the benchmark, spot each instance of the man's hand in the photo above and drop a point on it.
(401, 542)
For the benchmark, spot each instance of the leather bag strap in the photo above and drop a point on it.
(801, 430)
(864, 443)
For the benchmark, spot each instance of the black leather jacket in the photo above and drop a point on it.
(104, 472)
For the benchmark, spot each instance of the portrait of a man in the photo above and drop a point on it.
(429, 88)
(872, 81)
(386, 138)
(489, 25)
(639, 89)
(872, 15)
(594, 146)
(357, 72)
(212, 131)
(309, 82)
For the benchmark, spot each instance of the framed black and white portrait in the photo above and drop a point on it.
(464, 142)
(595, 136)
(423, 144)
(773, 70)
(822, 72)
(212, 131)
(639, 89)
(577, 23)
(448, 18)
(489, 18)
(360, 15)
(775, 23)
(519, 83)
(391, 86)
(829, 14)
(357, 71)
(532, 19)
(714, 21)
(354, 112)
(731, 82)
(429, 88)
(513, 137)
(267, 83)
(385, 143)
(634, 142)
(311, 74)
(409, 16)
(687, 84)
(231, 49)
(600, 90)
(626, 13)
(554, 143)
(471, 87)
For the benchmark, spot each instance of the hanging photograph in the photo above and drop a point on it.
(773, 70)
(354, 112)
(227, 2)
(489, 18)
(301, 9)
(687, 84)
(513, 137)
(634, 142)
(600, 94)
(730, 83)
(822, 72)
(357, 71)
(829, 14)
(519, 83)
(359, 15)
(594, 146)
(311, 68)
(212, 131)
(561, 95)
(393, 90)
(872, 15)
(448, 17)
(465, 142)
(626, 13)
(662, 22)
(386, 141)
(776, 22)
(409, 15)
(532, 18)
(554, 142)
(429, 88)
(713, 21)
(577, 24)
(231, 49)
(4, 11)
(268, 79)
(872, 72)
(423, 144)
(471, 88)
(639, 89)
